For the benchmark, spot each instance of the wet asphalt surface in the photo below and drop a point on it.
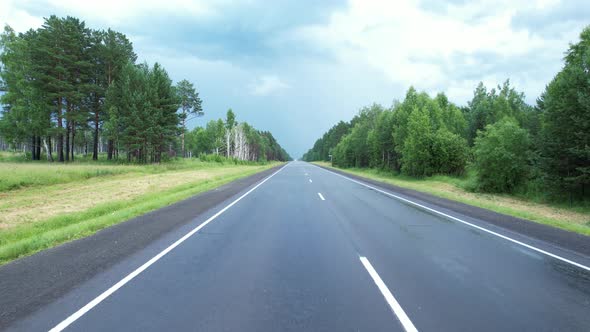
(283, 259)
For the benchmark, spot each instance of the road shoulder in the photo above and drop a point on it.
(31, 282)
(568, 241)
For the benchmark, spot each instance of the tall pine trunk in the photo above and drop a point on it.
(33, 147)
(60, 135)
(110, 148)
(182, 138)
(184, 107)
(69, 126)
(73, 129)
(95, 144)
(68, 140)
(110, 142)
(38, 148)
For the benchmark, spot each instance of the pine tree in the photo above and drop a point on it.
(190, 104)
(565, 131)
(24, 115)
(166, 103)
(48, 64)
(113, 53)
(77, 40)
(142, 107)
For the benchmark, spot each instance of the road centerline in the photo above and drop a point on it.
(393, 304)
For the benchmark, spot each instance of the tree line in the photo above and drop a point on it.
(510, 145)
(234, 139)
(70, 89)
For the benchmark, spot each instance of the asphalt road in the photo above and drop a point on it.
(310, 250)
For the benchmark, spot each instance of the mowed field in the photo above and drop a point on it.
(42, 205)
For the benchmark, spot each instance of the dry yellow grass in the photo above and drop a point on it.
(452, 192)
(565, 218)
(43, 205)
(32, 204)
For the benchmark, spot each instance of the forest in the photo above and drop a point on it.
(507, 145)
(233, 140)
(68, 90)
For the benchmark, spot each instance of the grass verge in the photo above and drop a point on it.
(30, 237)
(575, 219)
(17, 173)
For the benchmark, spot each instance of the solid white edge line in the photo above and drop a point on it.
(393, 304)
(463, 221)
(72, 318)
(321, 197)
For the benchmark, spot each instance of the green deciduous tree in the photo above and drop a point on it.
(380, 142)
(449, 152)
(488, 107)
(416, 152)
(230, 123)
(512, 141)
(502, 156)
(322, 148)
(358, 150)
(247, 142)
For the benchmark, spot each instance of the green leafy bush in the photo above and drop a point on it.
(502, 156)
(427, 152)
(449, 153)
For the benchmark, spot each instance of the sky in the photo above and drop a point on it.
(297, 67)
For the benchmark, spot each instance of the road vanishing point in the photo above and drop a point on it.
(301, 248)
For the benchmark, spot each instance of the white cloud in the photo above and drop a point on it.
(19, 19)
(266, 85)
(108, 12)
(414, 46)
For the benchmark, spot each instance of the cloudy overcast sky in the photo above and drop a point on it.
(297, 67)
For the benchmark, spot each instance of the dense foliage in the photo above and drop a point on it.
(69, 89)
(565, 129)
(234, 140)
(141, 106)
(507, 142)
(502, 156)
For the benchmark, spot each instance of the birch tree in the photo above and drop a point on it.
(230, 122)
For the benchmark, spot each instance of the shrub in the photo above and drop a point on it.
(449, 153)
(427, 152)
(501, 156)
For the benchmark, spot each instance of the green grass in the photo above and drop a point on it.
(28, 237)
(571, 218)
(16, 173)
